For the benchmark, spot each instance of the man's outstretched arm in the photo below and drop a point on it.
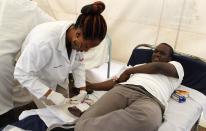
(102, 86)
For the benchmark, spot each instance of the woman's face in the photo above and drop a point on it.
(80, 44)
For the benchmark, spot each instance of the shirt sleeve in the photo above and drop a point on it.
(179, 69)
(79, 71)
(30, 63)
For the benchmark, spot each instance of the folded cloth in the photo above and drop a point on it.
(59, 114)
(56, 114)
(12, 128)
(61, 127)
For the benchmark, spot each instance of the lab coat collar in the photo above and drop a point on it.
(62, 43)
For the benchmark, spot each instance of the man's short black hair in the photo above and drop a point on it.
(171, 49)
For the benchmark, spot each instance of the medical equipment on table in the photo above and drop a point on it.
(178, 98)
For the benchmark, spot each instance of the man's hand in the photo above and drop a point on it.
(78, 109)
(79, 98)
(123, 77)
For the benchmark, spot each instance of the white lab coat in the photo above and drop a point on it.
(17, 18)
(44, 62)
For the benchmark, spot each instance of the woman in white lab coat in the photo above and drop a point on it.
(55, 49)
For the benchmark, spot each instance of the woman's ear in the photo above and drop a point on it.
(78, 33)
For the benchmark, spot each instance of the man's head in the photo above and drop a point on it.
(90, 27)
(162, 53)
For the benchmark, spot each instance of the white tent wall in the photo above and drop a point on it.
(180, 23)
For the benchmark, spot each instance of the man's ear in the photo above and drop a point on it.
(171, 57)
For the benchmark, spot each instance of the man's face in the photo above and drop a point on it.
(161, 53)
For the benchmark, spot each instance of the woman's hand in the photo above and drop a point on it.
(57, 98)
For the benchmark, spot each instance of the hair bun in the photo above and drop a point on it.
(95, 8)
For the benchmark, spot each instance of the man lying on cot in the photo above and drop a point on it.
(137, 99)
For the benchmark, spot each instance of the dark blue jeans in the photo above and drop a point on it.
(33, 123)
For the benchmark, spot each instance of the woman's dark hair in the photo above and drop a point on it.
(91, 22)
